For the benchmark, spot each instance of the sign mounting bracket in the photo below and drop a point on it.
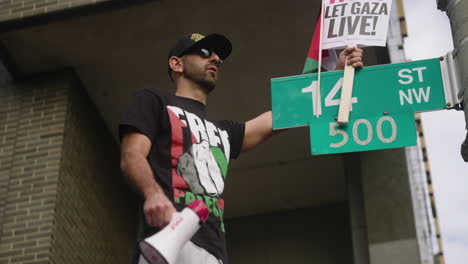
(451, 79)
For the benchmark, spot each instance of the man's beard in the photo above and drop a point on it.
(200, 78)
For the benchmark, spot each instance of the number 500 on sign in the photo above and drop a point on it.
(374, 132)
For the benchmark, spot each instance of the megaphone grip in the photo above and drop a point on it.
(163, 247)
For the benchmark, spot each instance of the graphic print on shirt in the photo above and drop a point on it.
(203, 167)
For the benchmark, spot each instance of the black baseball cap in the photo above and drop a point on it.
(216, 42)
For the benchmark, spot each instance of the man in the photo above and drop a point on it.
(172, 154)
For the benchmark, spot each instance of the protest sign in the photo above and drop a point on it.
(355, 22)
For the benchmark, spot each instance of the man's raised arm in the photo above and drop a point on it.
(258, 130)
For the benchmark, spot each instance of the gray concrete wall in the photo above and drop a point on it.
(389, 208)
(310, 235)
(357, 210)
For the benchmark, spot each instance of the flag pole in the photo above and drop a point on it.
(317, 103)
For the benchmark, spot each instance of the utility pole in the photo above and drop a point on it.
(457, 11)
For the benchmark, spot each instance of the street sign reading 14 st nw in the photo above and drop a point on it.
(384, 100)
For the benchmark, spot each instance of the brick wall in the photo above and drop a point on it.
(17, 9)
(32, 129)
(8, 112)
(90, 183)
(62, 198)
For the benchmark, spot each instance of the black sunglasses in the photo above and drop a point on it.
(206, 54)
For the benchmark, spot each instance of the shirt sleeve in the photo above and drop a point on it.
(236, 132)
(143, 115)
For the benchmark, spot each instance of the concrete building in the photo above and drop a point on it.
(68, 71)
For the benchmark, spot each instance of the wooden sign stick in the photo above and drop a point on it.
(346, 93)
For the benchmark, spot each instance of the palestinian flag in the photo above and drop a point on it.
(329, 58)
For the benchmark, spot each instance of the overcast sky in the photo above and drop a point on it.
(429, 36)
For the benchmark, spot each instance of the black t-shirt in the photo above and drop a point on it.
(189, 156)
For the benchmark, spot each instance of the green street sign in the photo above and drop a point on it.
(384, 100)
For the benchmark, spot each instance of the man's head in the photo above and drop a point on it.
(197, 58)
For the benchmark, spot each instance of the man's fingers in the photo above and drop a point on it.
(150, 216)
(355, 60)
(156, 218)
(351, 50)
(160, 215)
(358, 65)
(351, 56)
(168, 216)
(347, 51)
(165, 216)
(356, 50)
(158, 210)
(355, 54)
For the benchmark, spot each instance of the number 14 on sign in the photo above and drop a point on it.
(330, 99)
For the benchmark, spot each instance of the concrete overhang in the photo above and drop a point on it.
(119, 50)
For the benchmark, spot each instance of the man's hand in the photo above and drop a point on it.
(354, 56)
(158, 210)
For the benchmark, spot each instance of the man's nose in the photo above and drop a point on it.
(215, 58)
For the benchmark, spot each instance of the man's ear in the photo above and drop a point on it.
(176, 64)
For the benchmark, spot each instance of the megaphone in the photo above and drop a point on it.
(164, 246)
